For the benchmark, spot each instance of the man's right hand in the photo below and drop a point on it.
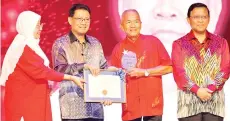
(204, 94)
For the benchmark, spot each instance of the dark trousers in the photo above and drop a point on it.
(202, 117)
(149, 118)
(86, 119)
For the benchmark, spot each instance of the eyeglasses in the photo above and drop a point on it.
(87, 20)
(199, 17)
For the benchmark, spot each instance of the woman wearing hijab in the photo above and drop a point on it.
(25, 73)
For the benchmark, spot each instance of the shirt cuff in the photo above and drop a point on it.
(212, 87)
(194, 88)
(60, 77)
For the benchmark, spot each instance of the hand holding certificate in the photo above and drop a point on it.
(108, 85)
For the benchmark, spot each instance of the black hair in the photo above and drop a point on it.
(196, 5)
(77, 7)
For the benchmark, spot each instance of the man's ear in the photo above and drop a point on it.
(188, 20)
(70, 20)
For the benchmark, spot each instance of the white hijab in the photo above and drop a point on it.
(25, 26)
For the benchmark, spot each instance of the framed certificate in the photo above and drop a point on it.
(107, 85)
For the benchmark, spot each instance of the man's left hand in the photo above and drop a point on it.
(107, 102)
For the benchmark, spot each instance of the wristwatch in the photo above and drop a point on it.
(146, 73)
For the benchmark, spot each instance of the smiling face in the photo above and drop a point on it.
(199, 19)
(131, 23)
(80, 21)
(38, 30)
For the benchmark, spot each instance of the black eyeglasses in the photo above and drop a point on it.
(87, 20)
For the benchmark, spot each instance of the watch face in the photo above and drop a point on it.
(146, 73)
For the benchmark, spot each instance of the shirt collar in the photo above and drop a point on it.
(127, 40)
(73, 38)
(191, 36)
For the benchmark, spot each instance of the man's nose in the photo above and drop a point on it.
(133, 24)
(165, 10)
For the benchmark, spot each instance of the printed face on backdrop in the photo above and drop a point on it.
(166, 19)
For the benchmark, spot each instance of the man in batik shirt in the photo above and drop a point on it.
(71, 53)
(200, 68)
(145, 60)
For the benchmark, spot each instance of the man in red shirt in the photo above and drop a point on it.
(145, 60)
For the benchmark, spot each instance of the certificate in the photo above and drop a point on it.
(106, 86)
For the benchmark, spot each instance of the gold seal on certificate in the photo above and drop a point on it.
(104, 92)
(107, 85)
